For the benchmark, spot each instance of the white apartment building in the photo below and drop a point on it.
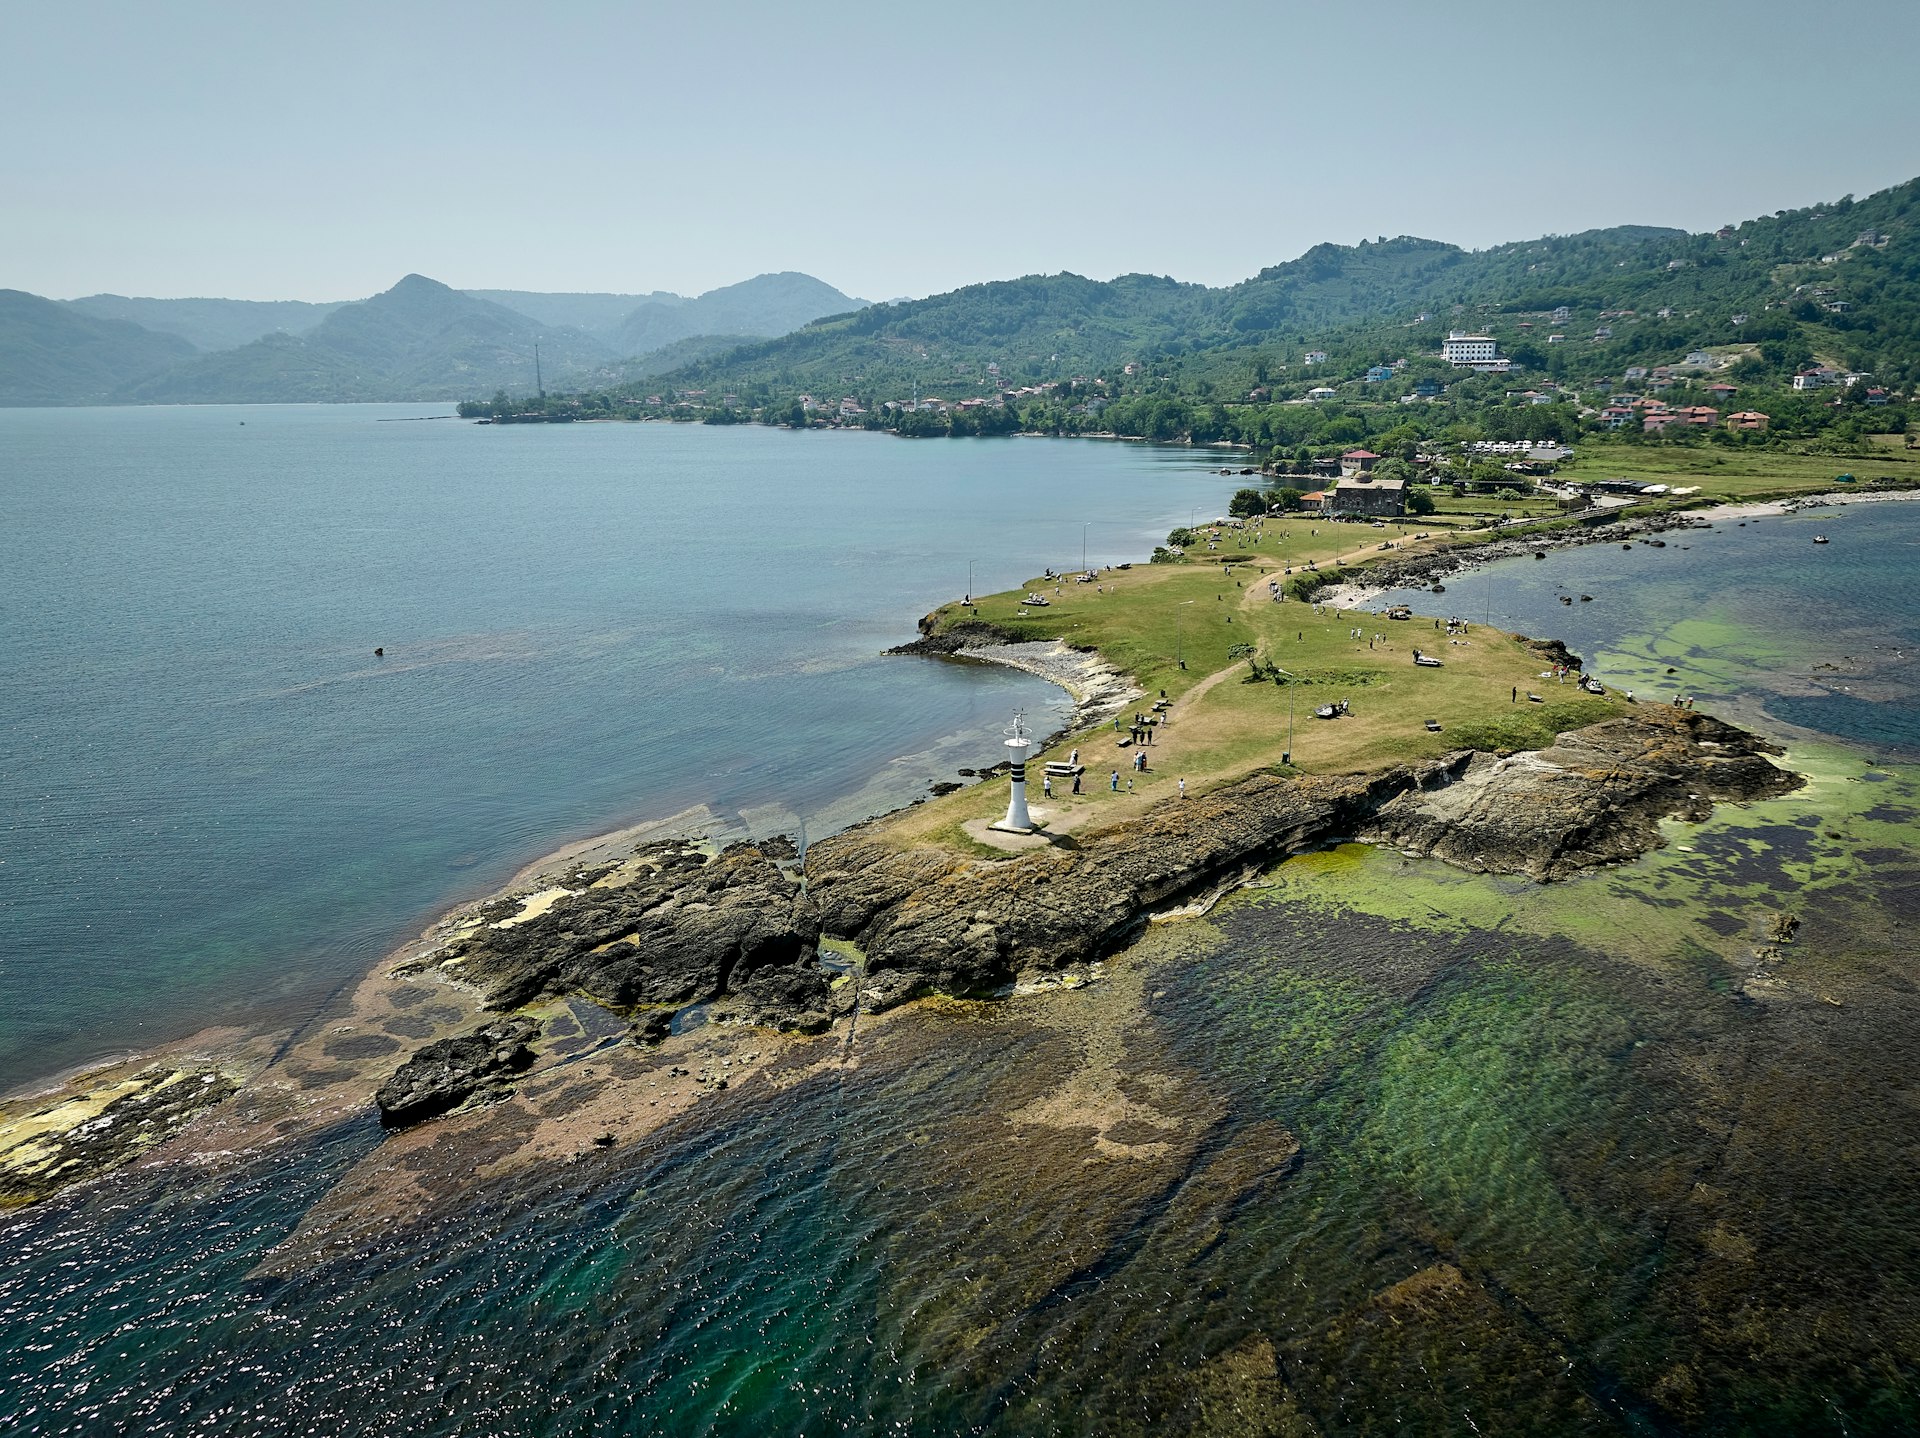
(1465, 351)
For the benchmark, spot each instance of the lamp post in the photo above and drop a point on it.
(1287, 757)
(969, 582)
(1179, 656)
(1083, 548)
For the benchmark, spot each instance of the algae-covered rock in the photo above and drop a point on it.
(93, 1128)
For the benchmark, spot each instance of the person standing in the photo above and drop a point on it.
(1113, 781)
(1183, 788)
(1046, 785)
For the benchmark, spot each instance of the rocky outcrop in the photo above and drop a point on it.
(674, 926)
(72, 1136)
(444, 1075)
(1595, 796)
(930, 923)
(964, 634)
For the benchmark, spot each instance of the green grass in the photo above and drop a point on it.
(1739, 474)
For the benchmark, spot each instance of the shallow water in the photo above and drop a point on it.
(1377, 1146)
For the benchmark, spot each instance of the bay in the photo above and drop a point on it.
(217, 804)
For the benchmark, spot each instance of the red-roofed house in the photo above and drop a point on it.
(1357, 461)
(1748, 419)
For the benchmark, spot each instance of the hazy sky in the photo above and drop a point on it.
(322, 151)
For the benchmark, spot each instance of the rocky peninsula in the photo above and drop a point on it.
(674, 938)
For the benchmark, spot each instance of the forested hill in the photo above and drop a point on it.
(1837, 283)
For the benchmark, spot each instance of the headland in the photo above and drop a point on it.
(623, 981)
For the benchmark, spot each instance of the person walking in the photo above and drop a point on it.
(1113, 781)
(1183, 788)
(1046, 785)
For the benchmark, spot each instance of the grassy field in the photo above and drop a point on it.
(1150, 618)
(1738, 474)
(1482, 505)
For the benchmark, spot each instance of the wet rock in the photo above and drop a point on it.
(73, 1136)
(652, 1027)
(444, 1075)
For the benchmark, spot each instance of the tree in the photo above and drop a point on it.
(1246, 503)
(1419, 501)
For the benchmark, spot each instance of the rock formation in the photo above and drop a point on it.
(441, 1076)
(1595, 796)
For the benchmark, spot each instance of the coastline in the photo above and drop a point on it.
(323, 1071)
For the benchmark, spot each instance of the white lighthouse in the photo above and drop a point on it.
(1017, 820)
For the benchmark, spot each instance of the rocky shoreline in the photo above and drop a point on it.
(675, 932)
(739, 933)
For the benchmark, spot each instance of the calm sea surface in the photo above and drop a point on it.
(1378, 1146)
(216, 801)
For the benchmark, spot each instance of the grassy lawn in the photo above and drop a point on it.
(1739, 473)
(1221, 727)
(1486, 506)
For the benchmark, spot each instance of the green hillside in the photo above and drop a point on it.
(50, 354)
(1835, 284)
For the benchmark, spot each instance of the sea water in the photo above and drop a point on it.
(1378, 1146)
(217, 803)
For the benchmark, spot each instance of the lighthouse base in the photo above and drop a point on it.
(1004, 827)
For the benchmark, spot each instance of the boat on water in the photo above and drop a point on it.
(1821, 539)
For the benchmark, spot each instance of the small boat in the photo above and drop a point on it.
(1592, 685)
(1821, 539)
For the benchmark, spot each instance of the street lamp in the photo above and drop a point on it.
(1178, 655)
(1287, 757)
(969, 581)
(1083, 548)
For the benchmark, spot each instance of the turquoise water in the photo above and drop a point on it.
(1384, 1147)
(1749, 617)
(219, 805)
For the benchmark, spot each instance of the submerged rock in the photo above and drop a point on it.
(443, 1075)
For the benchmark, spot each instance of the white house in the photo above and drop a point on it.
(1320, 392)
(1475, 352)
(1316, 357)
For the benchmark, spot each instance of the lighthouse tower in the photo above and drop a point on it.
(1017, 820)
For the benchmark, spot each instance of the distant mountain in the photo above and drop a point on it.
(600, 315)
(765, 305)
(210, 324)
(52, 354)
(419, 340)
